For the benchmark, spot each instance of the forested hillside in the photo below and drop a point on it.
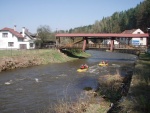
(138, 17)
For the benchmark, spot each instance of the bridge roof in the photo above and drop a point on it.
(101, 35)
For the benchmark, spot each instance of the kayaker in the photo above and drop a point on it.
(106, 62)
(103, 62)
(82, 66)
(86, 66)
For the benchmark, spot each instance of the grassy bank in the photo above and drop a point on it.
(11, 59)
(138, 98)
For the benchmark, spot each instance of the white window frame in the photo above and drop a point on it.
(10, 44)
(4, 35)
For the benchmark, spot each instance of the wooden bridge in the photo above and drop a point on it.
(81, 41)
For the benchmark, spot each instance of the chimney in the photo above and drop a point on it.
(14, 27)
(23, 31)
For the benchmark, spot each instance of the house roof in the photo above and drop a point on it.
(29, 34)
(17, 34)
(101, 35)
(129, 31)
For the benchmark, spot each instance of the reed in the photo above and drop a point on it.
(87, 103)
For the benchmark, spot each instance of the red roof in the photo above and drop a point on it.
(17, 34)
(129, 31)
(102, 35)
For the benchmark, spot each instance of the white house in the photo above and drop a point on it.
(134, 41)
(108, 41)
(11, 39)
(131, 41)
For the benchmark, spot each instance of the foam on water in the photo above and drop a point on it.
(36, 79)
(115, 65)
(62, 75)
(9, 82)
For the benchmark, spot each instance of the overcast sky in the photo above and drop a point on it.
(58, 14)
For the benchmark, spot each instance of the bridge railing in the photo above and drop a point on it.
(116, 46)
(142, 48)
(98, 46)
(102, 46)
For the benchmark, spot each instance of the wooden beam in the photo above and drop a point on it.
(84, 43)
(111, 44)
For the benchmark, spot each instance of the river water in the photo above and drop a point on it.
(34, 89)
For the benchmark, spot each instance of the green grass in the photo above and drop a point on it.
(76, 53)
(13, 53)
(25, 58)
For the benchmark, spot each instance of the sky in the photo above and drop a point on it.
(58, 14)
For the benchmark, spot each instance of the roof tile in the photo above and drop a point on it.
(129, 31)
(17, 34)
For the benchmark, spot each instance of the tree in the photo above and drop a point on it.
(133, 18)
(44, 35)
(96, 27)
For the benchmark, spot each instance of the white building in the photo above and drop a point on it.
(134, 41)
(108, 41)
(11, 39)
(131, 41)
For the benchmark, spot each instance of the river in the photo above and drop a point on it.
(34, 89)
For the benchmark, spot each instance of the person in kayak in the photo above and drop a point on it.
(85, 66)
(104, 62)
(82, 66)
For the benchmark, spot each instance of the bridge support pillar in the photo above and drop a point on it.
(111, 44)
(84, 43)
(57, 42)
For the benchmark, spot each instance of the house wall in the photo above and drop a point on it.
(135, 41)
(28, 39)
(4, 41)
(17, 41)
(142, 41)
(23, 43)
(108, 41)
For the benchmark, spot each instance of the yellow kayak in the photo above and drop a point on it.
(82, 70)
(100, 64)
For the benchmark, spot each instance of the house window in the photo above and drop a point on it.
(5, 35)
(10, 44)
(12, 35)
(20, 40)
(31, 44)
(138, 33)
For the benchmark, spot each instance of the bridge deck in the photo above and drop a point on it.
(102, 35)
(98, 46)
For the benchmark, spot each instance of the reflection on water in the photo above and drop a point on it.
(33, 89)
